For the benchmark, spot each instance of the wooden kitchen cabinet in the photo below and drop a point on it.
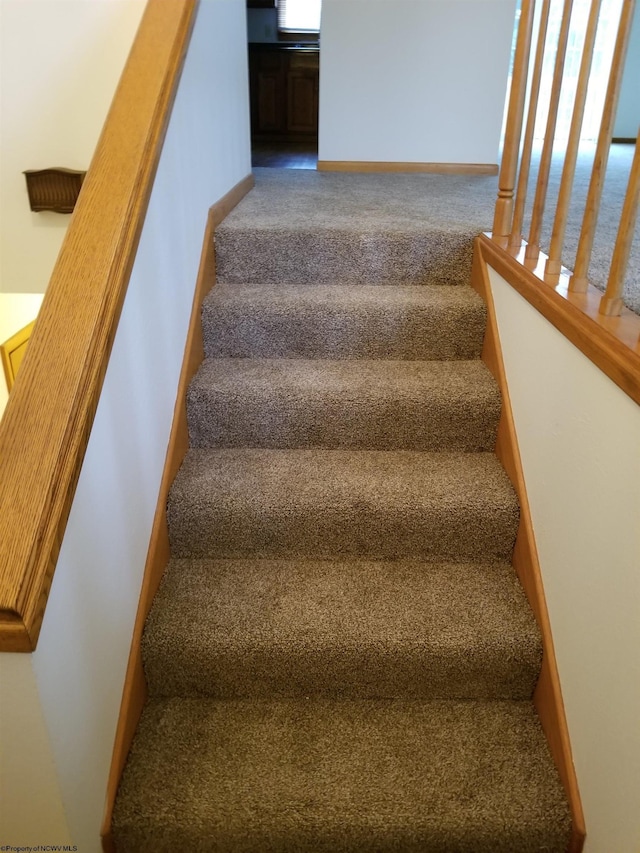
(302, 93)
(284, 93)
(268, 93)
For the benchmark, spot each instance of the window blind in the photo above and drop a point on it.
(299, 16)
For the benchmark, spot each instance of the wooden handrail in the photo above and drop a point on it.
(611, 303)
(542, 185)
(47, 422)
(579, 280)
(554, 262)
(515, 115)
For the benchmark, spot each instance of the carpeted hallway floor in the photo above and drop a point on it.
(340, 658)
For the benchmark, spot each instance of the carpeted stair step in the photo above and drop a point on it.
(413, 405)
(355, 629)
(343, 321)
(312, 255)
(379, 504)
(327, 776)
(308, 226)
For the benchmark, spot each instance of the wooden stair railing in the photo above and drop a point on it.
(606, 325)
(48, 419)
(579, 279)
(549, 136)
(611, 302)
(527, 149)
(554, 261)
(508, 168)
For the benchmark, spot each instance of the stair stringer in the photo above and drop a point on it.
(548, 693)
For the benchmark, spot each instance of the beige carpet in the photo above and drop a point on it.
(340, 658)
(372, 207)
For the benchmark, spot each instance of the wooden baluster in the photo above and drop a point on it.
(509, 166)
(579, 280)
(611, 303)
(525, 161)
(533, 247)
(554, 262)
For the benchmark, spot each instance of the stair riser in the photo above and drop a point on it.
(336, 503)
(326, 257)
(309, 840)
(415, 673)
(247, 530)
(219, 419)
(244, 332)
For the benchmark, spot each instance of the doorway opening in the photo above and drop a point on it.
(284, 76)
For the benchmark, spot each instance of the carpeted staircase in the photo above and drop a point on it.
(340, 658)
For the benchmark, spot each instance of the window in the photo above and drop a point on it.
(299, 16)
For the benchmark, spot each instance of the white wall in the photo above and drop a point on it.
(579, 437)
(16, 311)
(60, 62)
(414, 80)
(31, 810)
(79, 665)
(628, 115)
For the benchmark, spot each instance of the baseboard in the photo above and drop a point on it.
(384, 166)
(548, 694)
(134, 692)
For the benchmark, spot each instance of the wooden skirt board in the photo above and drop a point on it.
(548, 694)
(134, 692)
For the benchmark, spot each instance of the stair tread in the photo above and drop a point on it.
(299, 199)
(340, 777)
(365, 628)
(343, 321)
(370, 403)
(240, 501)
(310, 225)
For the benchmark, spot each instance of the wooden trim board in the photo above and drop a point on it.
(134, 693)
(384, 166)
(48, 419)
(548, 694)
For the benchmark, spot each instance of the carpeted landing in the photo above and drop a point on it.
(340, 658)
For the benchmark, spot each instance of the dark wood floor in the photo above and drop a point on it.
(285, 155)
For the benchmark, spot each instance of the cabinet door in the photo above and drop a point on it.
(268, 100)
(302, 94)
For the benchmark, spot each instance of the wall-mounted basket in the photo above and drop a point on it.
(53, 189)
